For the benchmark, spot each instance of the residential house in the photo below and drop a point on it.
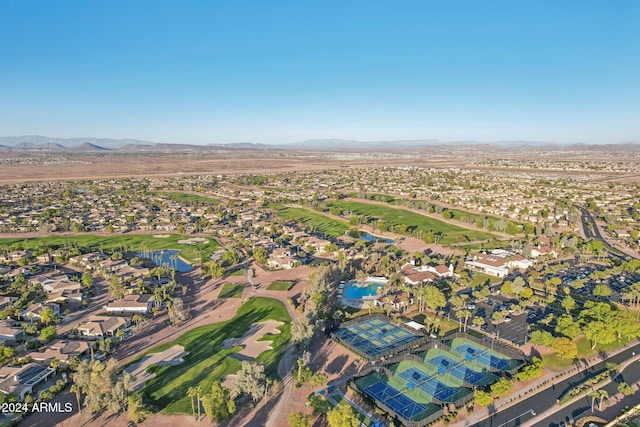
(319, 245)
(538, 251)
(98, 327)
(21, 380)
(282, 258)
(62, 350)
(131, 304)
(11, 334)
(6, 302)
(34, 311)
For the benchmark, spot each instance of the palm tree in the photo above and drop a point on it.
(603, 395)
(198, 393)
(75, 388)
(191, 393)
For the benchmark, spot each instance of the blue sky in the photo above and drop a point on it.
(284, 71)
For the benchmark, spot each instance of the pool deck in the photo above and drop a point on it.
(365, 301)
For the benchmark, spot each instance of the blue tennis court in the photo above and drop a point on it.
(445, 364)
(428, 383)
(374, 337)
(394, 399)
(482, 356)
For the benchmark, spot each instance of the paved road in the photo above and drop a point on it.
(520, 413)
(591, 230)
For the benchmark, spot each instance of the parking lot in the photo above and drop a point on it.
(515, 327)
(514, 330)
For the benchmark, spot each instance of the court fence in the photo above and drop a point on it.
(398, 417)
(510, 352)
(501, 349)
(421, 339)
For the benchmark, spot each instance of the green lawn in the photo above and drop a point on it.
(457, 213)
(125, 242)
(232, 290)
(413, 221)
(238, 272)
(481, 278)
(552, 361)
(281, 285)
(194, 199)
(208, 362)
(322, 223)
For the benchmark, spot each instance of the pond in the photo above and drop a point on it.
(365, 235)
(169, 256)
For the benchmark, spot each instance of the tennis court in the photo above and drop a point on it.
(401, 404)
(445, 364)
(484, 357)
(417, 378)
(374, 337)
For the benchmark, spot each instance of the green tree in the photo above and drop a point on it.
(482, 398)
(298, 419)
(625, 389)
(343, 415)
(599, 332)
(434, 297)
(218, 404)
(230, 257)
(502, 387)
(260, 255)
(136, 410)
(568, 303)
(565, 325)
(250, 380)
(48, 333)
(87, 280)
(116, 287)
(302, 330)
(47, 316)
(191, 394)
(602, 290)
(566, 348)
(6, 353)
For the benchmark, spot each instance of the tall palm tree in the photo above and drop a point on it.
(191, 393)
(75, 388)
(594, 395)
(603, 395)
(198, 393)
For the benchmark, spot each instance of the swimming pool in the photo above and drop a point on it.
(353, 291)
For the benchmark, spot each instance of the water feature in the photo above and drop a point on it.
(365, 235)
(169, 256)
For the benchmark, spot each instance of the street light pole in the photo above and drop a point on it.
(533, 413)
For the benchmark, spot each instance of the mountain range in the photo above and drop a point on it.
(31, 143)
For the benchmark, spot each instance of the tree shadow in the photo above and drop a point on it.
(261, 416)
(337, 364)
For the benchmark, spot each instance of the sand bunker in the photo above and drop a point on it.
(251, 347)
(161, 236)
(194, 241)
(171, 356)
